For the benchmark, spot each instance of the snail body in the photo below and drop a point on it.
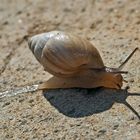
(73, 62)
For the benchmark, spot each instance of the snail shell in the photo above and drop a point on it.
(63, 54)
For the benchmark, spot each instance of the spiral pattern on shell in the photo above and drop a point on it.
(63, 54)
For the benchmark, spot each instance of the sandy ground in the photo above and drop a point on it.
(113, 26)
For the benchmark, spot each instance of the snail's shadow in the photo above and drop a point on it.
(85, 102)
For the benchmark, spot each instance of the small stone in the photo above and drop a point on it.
(55, 131)
(7, 103)
(30, 101)
(26, 130)
(19, 12)
(115, 127)
(10, 118)
(101, 132)
(5, 23)
(23, 122)
(92, 26)
(21, 100)
(132, 118)
(45, 135)
(4, 127)
(131, 80)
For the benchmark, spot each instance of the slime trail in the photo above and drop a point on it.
(19, 90)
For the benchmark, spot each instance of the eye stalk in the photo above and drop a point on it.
(114, 70)
(127, 59)
(119, 69)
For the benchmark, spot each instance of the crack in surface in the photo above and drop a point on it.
(11, 54)
(6, 62)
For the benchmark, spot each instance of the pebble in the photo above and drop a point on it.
(6, 104)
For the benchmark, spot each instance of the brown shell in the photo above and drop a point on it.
(65, 55)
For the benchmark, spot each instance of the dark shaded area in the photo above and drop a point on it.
(85, 102)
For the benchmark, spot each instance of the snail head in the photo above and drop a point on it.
(116, 72)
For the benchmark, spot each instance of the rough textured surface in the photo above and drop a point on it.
(113, 26)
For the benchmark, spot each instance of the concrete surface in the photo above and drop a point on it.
(113, 26)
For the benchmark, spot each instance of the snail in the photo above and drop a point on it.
(74, 62)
